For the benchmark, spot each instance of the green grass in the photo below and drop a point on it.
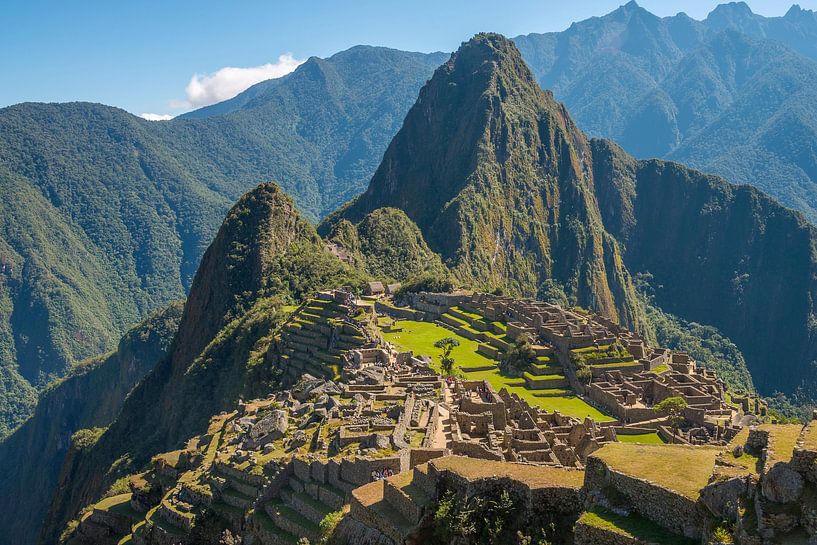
(419, 337)
(632, 526)
(682, 468)
(782, 440)
(472, 315)
(645, 438)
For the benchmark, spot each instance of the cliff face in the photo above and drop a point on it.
(30, 458)
(264, 257)
(498, 178)
(719, 254)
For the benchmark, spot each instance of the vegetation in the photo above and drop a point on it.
(519, 357)
(386, 244)
(91, 396)
(705, 343)
(482, 520)
(673, 409)
(446, 346)
(681, 468)
(105, 216)
(429, 281)
(632, 525)
(419, 337)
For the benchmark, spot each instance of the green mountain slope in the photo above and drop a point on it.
(31, 458)
(733, 94)
(106, 216)
(510, 193)
(264, 257)
(720, 254)
(387, 245)
(495, 174)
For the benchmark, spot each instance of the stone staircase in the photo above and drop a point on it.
(394, 506)
(303, 501)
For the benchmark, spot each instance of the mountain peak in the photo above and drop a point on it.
(485, 154)
(725, 14)
(796, 12)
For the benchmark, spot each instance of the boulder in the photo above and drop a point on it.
(275, 423)
(782, 484)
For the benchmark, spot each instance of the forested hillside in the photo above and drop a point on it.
(106, 215)
(734, 94)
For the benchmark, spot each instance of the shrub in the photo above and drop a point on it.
(328, 525)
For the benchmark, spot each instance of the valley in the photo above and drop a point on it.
(425, 304)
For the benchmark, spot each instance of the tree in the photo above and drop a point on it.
(518, 358)
(584, 374)
(673, 408)
(446, 361)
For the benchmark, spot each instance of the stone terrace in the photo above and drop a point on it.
(628, 376)
(318, 333)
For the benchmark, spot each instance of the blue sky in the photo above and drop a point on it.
(141, 55)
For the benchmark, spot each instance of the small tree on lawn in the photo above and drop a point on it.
(446, 361)
(518, 358)
(673, 408)
(584, 374)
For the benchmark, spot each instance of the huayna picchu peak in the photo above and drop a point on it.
(499, 180)
(516, 333)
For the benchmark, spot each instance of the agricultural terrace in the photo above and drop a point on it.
(681, 468)
(419, 338)
(644, 438)
(633, 527)
(474, 469)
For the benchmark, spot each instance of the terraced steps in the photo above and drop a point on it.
(395, 505)
(369, 506)
(292, 522)
(544, 382)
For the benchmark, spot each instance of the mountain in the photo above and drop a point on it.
(493, 172)
(511, 194)
(91, 397)
(733, 94)
(386, 244)
(566, 214)
(265, 256)
(105, 216)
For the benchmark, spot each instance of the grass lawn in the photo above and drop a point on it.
(114, 501)
(646, 438)
(682, 468)
(543, 476)
(810, 436)
(632, 526)
(419, 337)
(782, 440)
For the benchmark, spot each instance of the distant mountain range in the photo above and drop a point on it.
(105, 216)
(734, 94)
(108, 215)
(490, 173)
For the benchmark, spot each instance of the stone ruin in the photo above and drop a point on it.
(504, 427)
(627, 383)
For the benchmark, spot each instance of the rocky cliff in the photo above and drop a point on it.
(504, 186)
(498, 178)
(91, 397)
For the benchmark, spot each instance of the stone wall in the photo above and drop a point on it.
(676, 513)
(587, 534)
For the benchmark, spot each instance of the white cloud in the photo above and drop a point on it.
(227, 82)
(157, 117)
